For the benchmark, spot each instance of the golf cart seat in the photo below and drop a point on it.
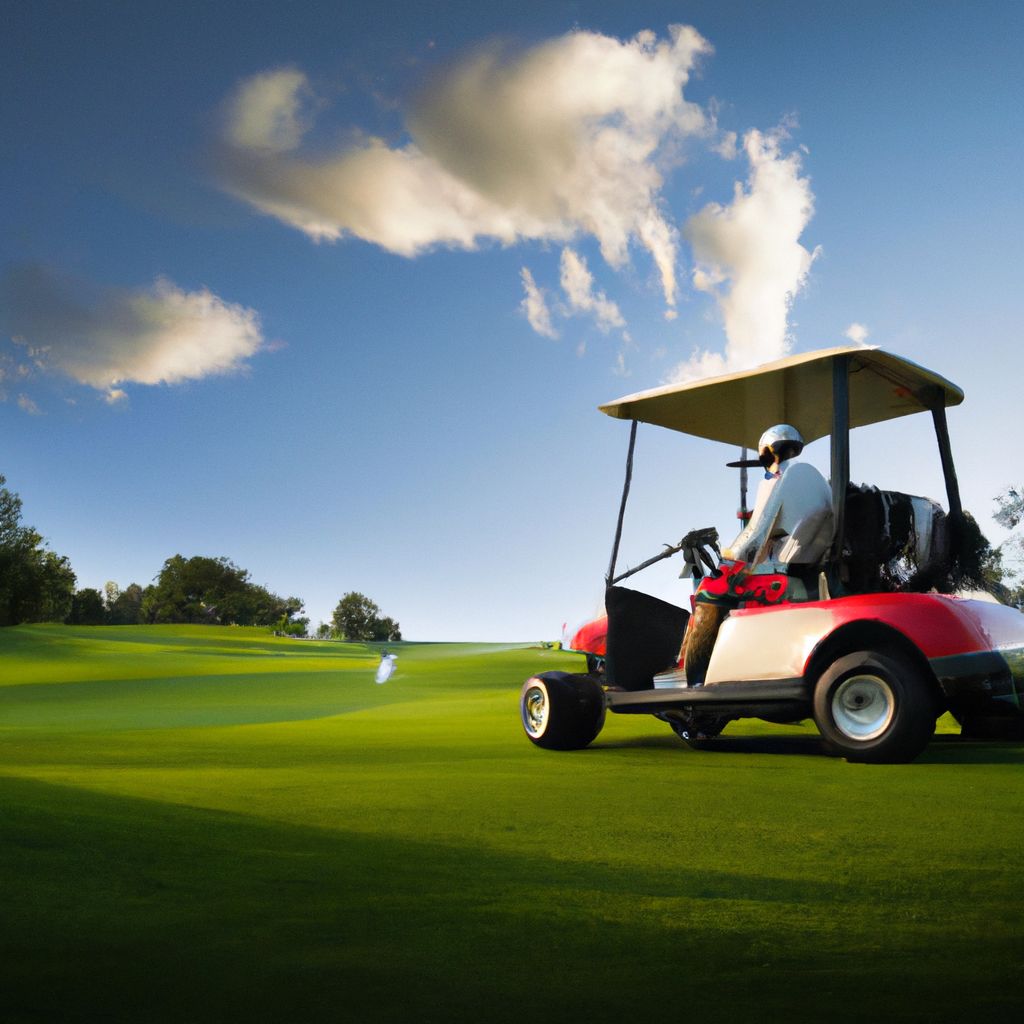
(893, 542)
(807, 547)
(805, 554)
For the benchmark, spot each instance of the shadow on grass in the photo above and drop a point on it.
(193, 701)
(121, 909)
(943, 749)
(65, 643)
(949, 749)
(788, 745)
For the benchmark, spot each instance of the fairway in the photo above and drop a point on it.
(212, 824)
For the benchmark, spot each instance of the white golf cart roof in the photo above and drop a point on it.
(735, 408)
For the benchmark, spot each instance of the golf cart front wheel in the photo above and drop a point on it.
(561, 711)
(874, 708)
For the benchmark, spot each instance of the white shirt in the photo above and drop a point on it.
(791, 521)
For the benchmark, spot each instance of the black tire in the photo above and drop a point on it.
(560, 711)
(875, 708)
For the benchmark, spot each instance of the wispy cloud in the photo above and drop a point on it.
(25, 404)
(579, 296)
(267, 113)
(857, 333)
(535, 306)
(561, 140)
(567, 140)
(578, 285)
(726, 146)
(748, 256)
(106, 337)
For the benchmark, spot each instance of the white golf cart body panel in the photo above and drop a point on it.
(764, 646)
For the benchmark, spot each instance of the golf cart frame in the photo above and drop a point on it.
(874, 670)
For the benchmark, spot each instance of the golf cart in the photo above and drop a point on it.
(873, 643)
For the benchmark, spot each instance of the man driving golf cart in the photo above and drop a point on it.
(791, 525)
(850, 605)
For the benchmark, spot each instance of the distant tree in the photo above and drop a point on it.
(36, 585)
(291, 627)
(323, 631)
(87, 608)
(54, 588)
(168, 599)
(213, 590)
(1009, 513)
(354, 615)
(357, 618)
(1009, 507)
(10, 515)
(386, 629)
(126, 609)
(195, 589)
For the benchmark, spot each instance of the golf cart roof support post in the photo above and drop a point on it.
(946, 454)
(743, 487)
(622, 506)
(840, 447)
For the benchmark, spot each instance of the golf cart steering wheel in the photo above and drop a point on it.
(702, 553)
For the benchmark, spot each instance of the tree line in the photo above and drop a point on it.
(38, 585)
(212, 591)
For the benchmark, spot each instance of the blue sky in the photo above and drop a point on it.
(187, 369)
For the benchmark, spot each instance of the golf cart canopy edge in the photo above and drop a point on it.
(735, 408)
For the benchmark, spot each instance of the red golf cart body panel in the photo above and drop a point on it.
(779, 641)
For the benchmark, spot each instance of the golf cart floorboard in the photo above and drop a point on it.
(770, 692)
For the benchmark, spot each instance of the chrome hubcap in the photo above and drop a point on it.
(535, 710)
(863, 707)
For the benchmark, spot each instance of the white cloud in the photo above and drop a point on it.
(27, 405)
(857, 333)
(267, 112)
(726, 146)
(578, 285)
(564, 139)
(567, 139)
(535, 307)
(103, 338)
(749, 257)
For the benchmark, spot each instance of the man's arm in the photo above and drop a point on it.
(754, 535)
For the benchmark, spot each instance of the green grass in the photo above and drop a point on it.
(207, 825)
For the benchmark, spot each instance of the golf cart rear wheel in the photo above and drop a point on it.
(561, 711)
(874, 708)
